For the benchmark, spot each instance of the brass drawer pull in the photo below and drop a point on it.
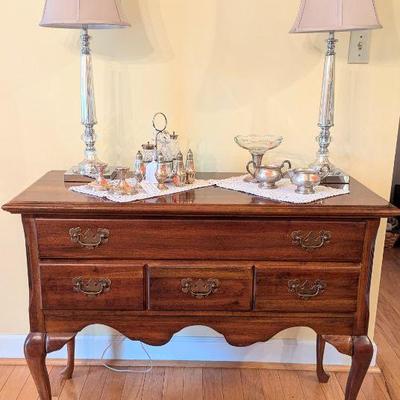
(311, 240)
(200, 288)
(91, 288)
(89, 239)
(306, 290)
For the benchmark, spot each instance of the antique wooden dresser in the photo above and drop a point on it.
(244, 266)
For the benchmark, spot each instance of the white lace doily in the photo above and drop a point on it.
(148, 191)
(285, 190)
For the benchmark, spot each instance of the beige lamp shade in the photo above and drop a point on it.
(77, 14)
(336, 15)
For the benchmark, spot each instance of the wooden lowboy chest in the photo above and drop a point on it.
(244, 266)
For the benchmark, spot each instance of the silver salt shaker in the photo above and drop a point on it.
(190, 168)
(139, 169)
(162, 172)
(180, 171)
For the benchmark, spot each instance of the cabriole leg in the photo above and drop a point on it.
(35, 354)
(323, 377)
(361, 360)
(69, 369)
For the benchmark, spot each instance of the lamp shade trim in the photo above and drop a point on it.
(77, 14)
(336, 16)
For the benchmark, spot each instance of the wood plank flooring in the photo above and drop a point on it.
(167, 383)
(387, 334)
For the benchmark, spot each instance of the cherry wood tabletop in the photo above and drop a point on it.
(50, 195)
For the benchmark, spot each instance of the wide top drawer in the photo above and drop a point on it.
(241, 239)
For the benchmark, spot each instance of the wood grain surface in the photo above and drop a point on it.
(50, 196)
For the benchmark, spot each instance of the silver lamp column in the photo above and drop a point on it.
(84, 15)
(327, 108)
(88, 107)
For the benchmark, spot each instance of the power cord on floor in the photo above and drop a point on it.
(129, 371)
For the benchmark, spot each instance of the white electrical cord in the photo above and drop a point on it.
(129, 371)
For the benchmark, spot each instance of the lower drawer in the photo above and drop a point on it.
(307, 288)
(200, 288)
(92, 286)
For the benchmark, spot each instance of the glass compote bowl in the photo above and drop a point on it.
(257, 146)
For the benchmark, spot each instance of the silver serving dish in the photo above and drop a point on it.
(307, 179)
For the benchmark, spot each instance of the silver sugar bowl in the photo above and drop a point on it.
(268, 175)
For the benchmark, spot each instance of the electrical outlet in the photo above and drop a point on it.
(360, 42)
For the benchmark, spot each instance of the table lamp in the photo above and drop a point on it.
(332, 16)
(84, 15)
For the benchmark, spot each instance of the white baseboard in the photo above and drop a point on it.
(188, 348)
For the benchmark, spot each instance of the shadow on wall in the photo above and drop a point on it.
(144, 42)
(241, 61)
(388, 50)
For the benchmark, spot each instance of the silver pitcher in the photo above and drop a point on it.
(307, 179)
(268, 175)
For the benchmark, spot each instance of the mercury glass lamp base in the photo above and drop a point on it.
(339, 178)
(87, 167)
(335, 176)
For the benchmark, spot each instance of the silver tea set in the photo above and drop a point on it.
(267, 176)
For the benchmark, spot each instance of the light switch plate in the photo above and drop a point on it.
(360, 42)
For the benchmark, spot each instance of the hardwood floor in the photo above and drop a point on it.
(164, 383)
(387, 334)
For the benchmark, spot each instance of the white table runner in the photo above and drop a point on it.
(148, 191)
(285, 190)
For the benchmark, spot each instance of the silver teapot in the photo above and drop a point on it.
(306, 179)
(268, 175)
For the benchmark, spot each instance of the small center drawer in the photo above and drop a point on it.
(92, 286)
(307, 287)
(200, 288)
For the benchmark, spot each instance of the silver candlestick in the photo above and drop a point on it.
(88, 108)
(326, 116)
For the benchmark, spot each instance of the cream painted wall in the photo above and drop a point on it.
(217, 68)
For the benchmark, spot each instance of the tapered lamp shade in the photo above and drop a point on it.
(336, 15)
(78, 14)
